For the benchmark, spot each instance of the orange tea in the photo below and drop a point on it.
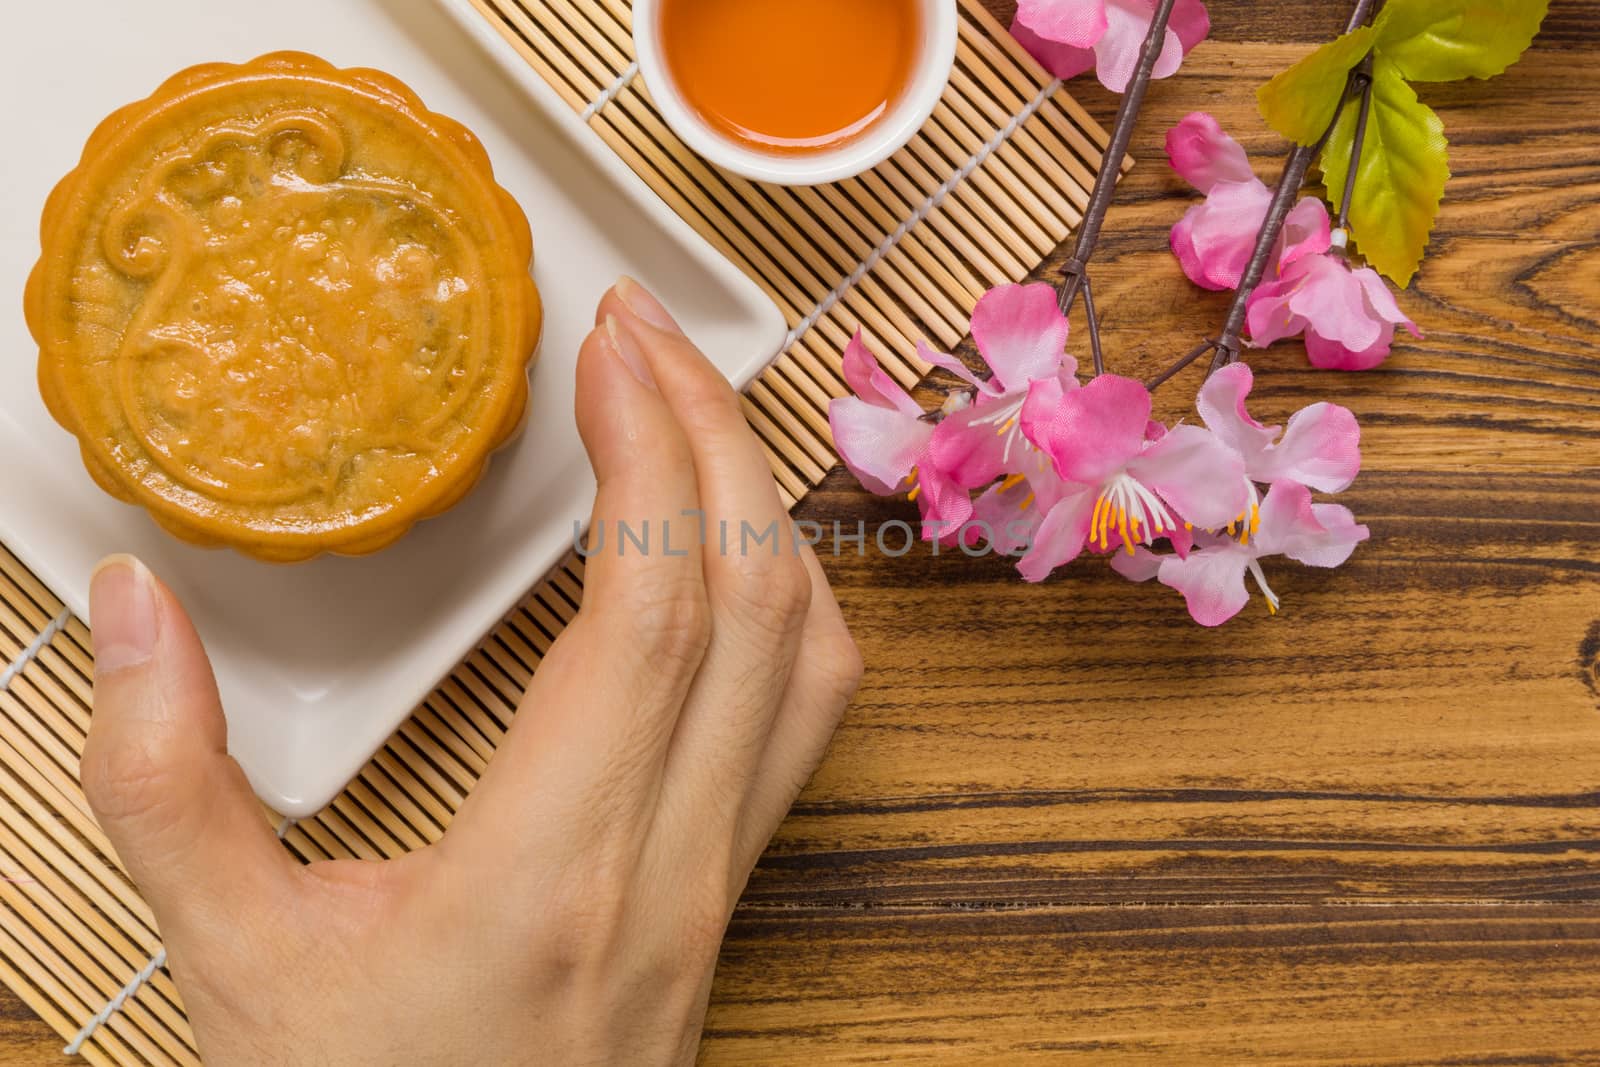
(791, 76)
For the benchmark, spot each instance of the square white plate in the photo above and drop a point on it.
(319, 662)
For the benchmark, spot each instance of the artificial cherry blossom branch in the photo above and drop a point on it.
(1031, 461)
(1034, 462)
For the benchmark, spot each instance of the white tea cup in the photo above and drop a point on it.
(929, 74)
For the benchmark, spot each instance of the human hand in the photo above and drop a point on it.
(573, 911)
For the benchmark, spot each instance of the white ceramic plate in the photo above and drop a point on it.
(320, 662)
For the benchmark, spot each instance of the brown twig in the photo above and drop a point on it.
(1093, 317)
(1077, 265)
(1283, 198)
(1181, 362)
(1363, 78)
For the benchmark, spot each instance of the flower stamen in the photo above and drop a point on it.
(1136, 513)
(1266, 590)
(1248, 521)
(1006, 411)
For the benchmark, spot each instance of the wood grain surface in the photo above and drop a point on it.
(1063, 824)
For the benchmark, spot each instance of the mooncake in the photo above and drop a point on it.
(284, 308)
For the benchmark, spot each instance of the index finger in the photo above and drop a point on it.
(590, 738)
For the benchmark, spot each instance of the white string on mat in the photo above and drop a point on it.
(928, 206)
(611, 92)
(147, 972)
(29, 654)
(890, 242)
(156, 962)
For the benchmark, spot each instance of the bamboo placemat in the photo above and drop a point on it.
(991, 185)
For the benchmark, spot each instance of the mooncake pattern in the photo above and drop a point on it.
(284, 308)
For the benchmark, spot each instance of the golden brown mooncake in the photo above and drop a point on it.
(284, 307)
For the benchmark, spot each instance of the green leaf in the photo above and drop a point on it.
(1443, 40)
(1404, 165)
(1300, 102)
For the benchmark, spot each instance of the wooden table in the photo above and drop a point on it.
(1062, 821)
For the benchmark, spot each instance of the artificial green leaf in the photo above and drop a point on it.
(1400, 179)
(1300, 102)
(1442, 40)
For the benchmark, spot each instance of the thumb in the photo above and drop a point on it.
(155, 769)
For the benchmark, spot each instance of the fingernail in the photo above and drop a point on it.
(628, 350)
(122, 613)
(640, 301)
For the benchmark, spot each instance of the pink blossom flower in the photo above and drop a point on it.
(1211, 578)
(1121, 476)
(1347, 314)
(1022, 337)
(882, 437)
(1320, 449)
(1063, 467)
(1010, 513)
(1204, 155)
(880, 432)
(1070, 36)
(1214, 239)
(1141, 565)
(1007, 514)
